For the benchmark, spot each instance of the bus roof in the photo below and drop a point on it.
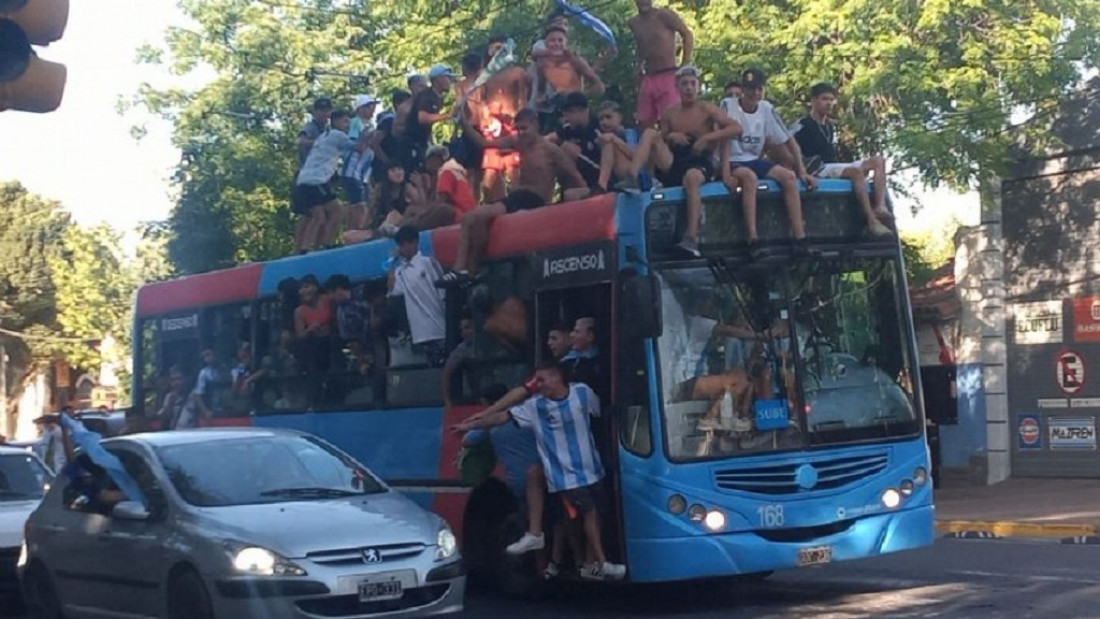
(562, 224)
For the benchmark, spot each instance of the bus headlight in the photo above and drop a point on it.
(891, 498)
(920, 476)
(714, 521)
(906, 488)
(677, 504)
(697, 513)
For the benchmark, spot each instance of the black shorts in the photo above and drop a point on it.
(590, 171)
(583, 500)
(355, 192)
(412, 156)
(467, 152)
(522, 200)
(306, 197)
(683, 160)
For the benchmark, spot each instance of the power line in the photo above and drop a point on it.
(49, 338)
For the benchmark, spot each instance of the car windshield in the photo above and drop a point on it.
(732, 382)
(268, 469)
(22, 477)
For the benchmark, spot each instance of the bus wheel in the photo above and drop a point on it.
(516, 577)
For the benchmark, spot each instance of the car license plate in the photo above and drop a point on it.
(815, 555)
(379, 590)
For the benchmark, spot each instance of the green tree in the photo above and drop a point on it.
(32, 230)
(934, 84)
(927, 251)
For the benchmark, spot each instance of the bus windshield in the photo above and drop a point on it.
(795, 355)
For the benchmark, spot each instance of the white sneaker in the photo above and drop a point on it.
(613, 571)
(590, 571)
(876, 228)
(552, 570)
(738, 424)
(709, 423)
(526, 544)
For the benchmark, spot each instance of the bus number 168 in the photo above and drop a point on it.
(771, 516)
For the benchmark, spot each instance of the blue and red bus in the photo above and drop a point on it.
(761, 414)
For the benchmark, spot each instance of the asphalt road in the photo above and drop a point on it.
(983, 579)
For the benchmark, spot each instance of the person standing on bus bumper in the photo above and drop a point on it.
(561, 418)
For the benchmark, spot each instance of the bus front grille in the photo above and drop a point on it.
(828, 472)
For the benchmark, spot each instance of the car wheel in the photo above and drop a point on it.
(39, 595)
(188, 598)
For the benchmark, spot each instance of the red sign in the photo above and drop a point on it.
(1029, 431)
(1086, 319)
(1070, 372)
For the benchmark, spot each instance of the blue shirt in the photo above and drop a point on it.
(563, 429)
(515, 449)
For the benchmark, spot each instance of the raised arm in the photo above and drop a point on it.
(593, 84)
(674, 22)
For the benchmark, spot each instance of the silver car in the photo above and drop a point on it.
(238, 523)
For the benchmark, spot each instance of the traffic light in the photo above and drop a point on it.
(28, 83)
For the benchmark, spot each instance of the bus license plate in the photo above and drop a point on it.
(380, 590)
(815, 555)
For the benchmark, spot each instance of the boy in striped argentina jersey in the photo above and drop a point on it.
(561, 419)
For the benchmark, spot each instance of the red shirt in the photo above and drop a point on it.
(459, 193)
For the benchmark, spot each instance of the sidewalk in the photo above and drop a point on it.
(1068, 509)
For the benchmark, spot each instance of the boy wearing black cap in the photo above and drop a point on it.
(816, 137)
(762, 128)
(578, 137)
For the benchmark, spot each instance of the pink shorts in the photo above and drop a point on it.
(657, 93)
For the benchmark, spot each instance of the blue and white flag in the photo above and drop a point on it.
(89, 443)
(590, 20)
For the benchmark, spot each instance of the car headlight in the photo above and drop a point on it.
(263, 562)
(445, 543)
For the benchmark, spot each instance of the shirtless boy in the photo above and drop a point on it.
(655, 33)
(543, 164)
(683, 152)
(504, 95)
(561, 71)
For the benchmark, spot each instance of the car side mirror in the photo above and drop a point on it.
(640, 307)
(130, 510)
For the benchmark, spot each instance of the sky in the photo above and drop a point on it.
(84, 155)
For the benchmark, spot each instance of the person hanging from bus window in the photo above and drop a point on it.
(172, 407)
(350, 319)
(312, 328)
(561, 416)
(313, 196)
(514, 446)
(761, 128)
(816, 136)
(558, 73)
(616, 155)
(578, 137)
(211, 382)
(457, 361)
(574, 349)
(412, 277)
(543, 165)
(244, 377)
(683, 152)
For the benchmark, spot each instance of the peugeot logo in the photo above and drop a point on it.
(372, 555)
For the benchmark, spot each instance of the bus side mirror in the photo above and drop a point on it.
(640, 306)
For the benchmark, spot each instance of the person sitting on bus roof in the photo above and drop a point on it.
(389, 202)
(616, 155)
(761, 128)
(578, 137)
(816, 136)
(384, 142)
(683, 152)
(435, 210)
(542, 166)
(558, 73)
(561, 417)
(411, 277)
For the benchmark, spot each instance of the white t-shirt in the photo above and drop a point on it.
(757, 129)
(324, 157)
(415, 280)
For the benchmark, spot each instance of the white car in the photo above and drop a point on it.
(237, 523)
(24, 480)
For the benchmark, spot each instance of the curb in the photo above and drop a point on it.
(979, 529)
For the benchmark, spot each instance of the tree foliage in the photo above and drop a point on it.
(927, 251)
(935, 84)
